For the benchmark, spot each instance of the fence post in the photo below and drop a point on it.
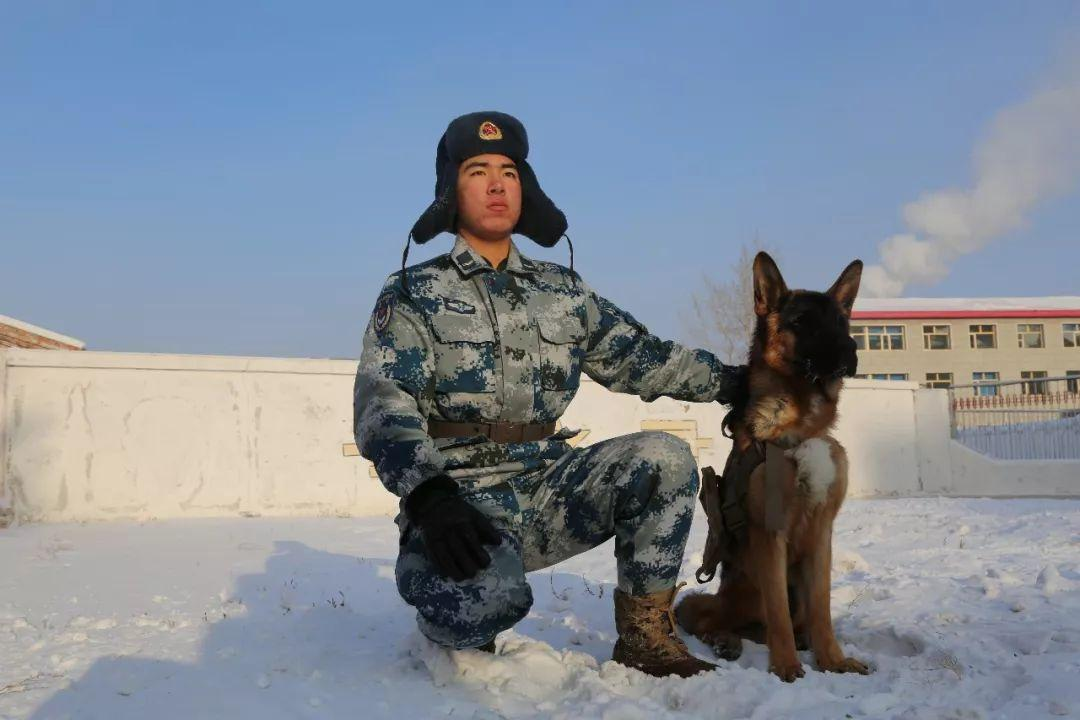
(933, 410)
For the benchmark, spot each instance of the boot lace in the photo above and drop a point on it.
(666, 643)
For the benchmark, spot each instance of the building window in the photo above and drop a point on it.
(1071, 331)
(858, 334)
(878, 337)
(1030, 336)
(983, 337)
(941, 380)
(1073, 383)
(985, 377)
(936, 337)
(1033, 388)
(886, 376)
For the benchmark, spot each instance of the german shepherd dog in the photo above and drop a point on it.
(779, 581)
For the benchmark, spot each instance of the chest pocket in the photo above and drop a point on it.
(561, 352)
(464, 353)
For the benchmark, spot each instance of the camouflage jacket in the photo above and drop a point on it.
(469, 343)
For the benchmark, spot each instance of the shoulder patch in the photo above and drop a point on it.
(384, 309)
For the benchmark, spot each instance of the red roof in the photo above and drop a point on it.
(947, 314)
(946, 308)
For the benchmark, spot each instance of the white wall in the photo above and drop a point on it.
(978, 475)
(102, 435)
(94, 435)
(877, 428)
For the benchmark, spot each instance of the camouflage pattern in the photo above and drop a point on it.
(639, 488)
(469, 343)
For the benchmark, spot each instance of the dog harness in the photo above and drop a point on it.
(724, 499)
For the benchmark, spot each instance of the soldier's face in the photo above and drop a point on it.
(489, 196)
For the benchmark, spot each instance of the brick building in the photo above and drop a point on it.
(16, 333)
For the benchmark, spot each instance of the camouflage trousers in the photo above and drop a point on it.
(639, 488)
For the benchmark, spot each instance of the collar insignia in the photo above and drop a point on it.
(465, 261)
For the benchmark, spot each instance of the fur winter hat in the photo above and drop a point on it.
(481, 133)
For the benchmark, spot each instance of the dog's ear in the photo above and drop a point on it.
(769, 285)
(846, 286)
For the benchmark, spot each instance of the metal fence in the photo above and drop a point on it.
(1036, 419)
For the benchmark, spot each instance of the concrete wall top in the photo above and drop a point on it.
(153, 361)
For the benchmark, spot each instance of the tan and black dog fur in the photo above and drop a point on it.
(779, 582)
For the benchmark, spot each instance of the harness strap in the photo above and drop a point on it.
(724, 500)
(715, 540)
(776, 470)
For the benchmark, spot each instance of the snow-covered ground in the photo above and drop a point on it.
(965, 608)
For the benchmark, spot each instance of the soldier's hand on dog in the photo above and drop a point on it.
(736, 386)
(454, 532)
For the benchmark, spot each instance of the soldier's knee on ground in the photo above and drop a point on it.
(470, 613)
(474, 621)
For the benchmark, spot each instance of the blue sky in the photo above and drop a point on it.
(239, 178)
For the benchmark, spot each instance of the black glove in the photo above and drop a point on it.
(735, 388)
(454, 532)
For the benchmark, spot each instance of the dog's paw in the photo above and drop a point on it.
(727, 646)
(788, 672)
(846, 665)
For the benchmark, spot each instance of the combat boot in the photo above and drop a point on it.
(647, 638)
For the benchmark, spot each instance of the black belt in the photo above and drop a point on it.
(500, 432)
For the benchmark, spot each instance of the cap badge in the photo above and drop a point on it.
(490, 131)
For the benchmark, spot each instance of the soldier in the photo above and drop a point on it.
(469, 359)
